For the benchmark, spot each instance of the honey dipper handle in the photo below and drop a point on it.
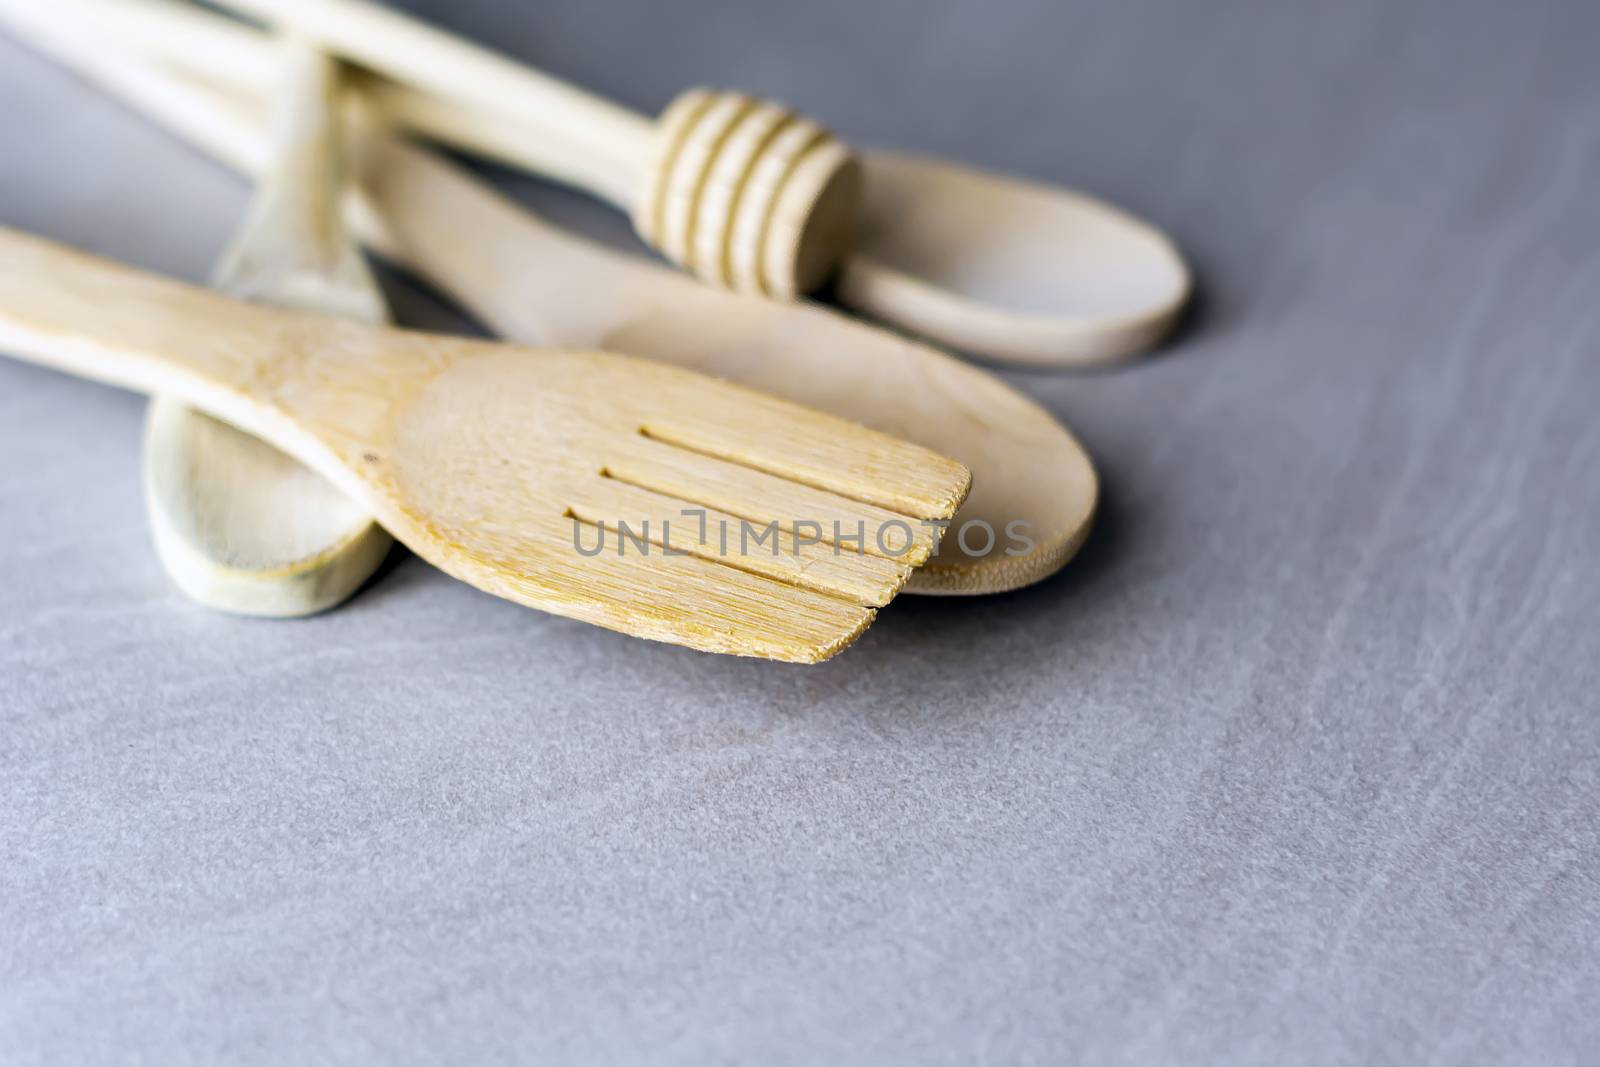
(742, 192)
(580, 137)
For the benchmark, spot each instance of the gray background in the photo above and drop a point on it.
(1297, 762)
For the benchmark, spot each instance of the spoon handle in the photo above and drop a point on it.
(588, 140)
(240, 526)
(740, 191)
(292, 250)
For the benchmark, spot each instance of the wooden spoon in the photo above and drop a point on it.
(490, 461)
(239, 525)
(1009, 270)
(1034, 488)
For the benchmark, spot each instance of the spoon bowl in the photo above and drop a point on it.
(1007, 269)
(239, 525)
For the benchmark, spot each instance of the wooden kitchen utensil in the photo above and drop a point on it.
(491, 460)
(1013, 271)
(239, 525)
(738, 190)
(536, 283)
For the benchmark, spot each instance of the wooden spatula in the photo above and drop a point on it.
(505, 465)
(239, 525)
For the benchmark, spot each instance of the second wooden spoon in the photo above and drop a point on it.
(239, 525)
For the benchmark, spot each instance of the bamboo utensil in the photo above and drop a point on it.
(490, 461)
(239, 525)
(1010, 270)
(533, 282)
(740, 191)
(1015, 271)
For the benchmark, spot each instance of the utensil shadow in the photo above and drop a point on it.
(915, 627)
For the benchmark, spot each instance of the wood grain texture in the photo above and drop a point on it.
(1027, 468)
(1295, 764)
(482, 458)
(1034, 486)
(238, 525)
(747, 194)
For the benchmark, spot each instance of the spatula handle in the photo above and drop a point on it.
(322, 390)
(67, 309)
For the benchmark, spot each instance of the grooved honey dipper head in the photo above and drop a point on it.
(748, 195)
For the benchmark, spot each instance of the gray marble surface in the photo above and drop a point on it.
(1296, 764)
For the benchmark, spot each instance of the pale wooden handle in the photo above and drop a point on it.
(293, 223)
(574, 134)
(292, 249)
(230, 126)
(238, 525)
(409, 206)
(228, 53)
(111, 323)
(226, 117)
(744, 193)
